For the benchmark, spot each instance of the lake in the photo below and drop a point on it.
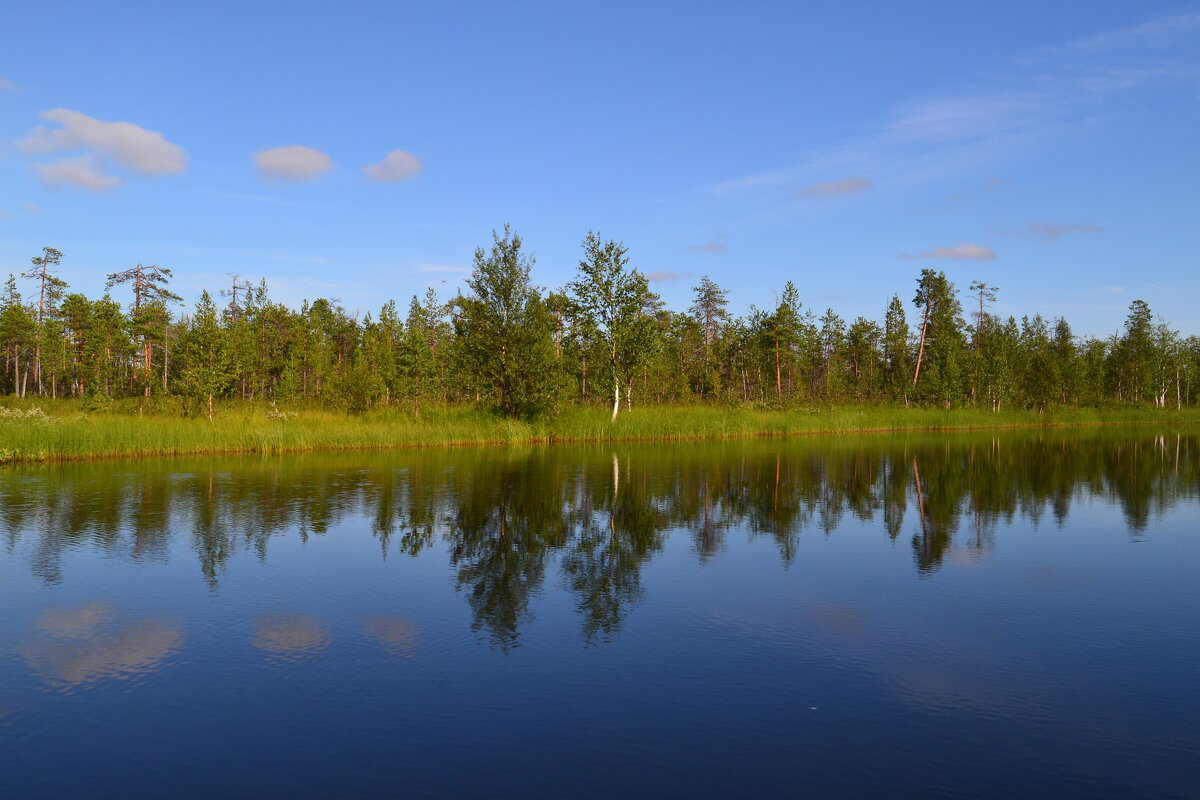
(1010, 614)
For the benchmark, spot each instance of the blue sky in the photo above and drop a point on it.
(363, 151)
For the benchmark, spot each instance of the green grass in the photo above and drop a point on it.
(61, 430)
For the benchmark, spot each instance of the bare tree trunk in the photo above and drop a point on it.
(166, 355)
(778, 375)
(147, 365)
(921, 349)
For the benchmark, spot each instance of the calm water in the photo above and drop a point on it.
(1011, 615)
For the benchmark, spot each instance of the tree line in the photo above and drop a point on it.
(605, 337)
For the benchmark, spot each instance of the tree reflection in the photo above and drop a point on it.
(508, 516)
(614, 529)
(592, 516)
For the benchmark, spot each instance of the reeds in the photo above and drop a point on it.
(60, 431)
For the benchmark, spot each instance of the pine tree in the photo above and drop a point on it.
(208, 372)
(149, 315)
(896, 362)
(941, 337)
(18, 329)
(783, 328)
(50, 293)
(708, 309)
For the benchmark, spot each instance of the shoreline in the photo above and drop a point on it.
(44, 439)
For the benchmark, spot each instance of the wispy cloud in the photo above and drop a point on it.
(964, 251)
(1048, 232)
(397, 166)
(995, 115)
(7, 86)
(836, 188)
(709, 247)
(950, 119)
(963, 198)
(656, 277)
(292, 163)
(1151, 31)
(1051, 233)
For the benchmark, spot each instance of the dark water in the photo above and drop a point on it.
(1012, 615)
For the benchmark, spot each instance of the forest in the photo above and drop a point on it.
(604, 339)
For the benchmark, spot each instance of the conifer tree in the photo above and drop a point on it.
(784, 331)
(208, 371)
(149, 314)
(18, 328)
(50, 292)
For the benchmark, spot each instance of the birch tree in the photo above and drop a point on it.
(613, 298)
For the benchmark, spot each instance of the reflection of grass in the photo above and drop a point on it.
(248, 428)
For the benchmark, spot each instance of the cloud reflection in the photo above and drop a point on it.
(397, 634)
(290, 635)
(84, 645)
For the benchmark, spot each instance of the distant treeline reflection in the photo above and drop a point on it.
(511, 519)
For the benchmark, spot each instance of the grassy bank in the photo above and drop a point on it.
(35, 431)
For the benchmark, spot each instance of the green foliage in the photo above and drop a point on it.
(604, 338)
(505, 332)
(615, 302)
(942, 351)
(208, 373)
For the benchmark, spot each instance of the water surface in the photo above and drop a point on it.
(986, 615)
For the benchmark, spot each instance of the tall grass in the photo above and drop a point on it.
(59, 430)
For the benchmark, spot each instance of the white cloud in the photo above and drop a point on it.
(31, 208)
(397, 166)
(655, 277)
(83, 172)
(964, 251)
(293, 163)
(709, 247)
(835, 188)
(128, 145)
(7, 86)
